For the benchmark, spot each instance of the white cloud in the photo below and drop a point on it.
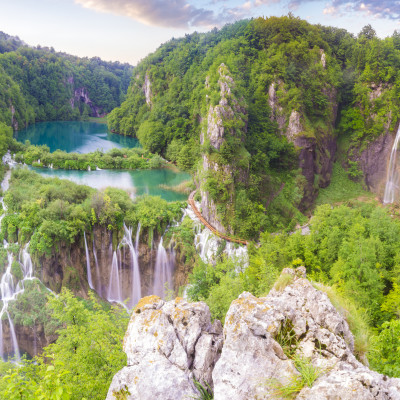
(166, 13)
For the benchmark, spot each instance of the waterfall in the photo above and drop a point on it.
(89, 272)
(7, 290)
(27, 267)
(392, 180)
(114, 288)
(97, 270)
(136, 292)
(163, 271)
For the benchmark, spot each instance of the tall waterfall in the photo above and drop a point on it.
(89, 272)
(114, 287)
(163, 271)
(136, 292)
(392, 180)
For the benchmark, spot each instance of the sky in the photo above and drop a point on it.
(128, 30)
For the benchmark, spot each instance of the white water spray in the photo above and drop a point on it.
(136, 292)
(392, 180)
(163, 271)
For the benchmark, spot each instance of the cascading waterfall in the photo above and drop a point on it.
(392, 180)
(163, 271)
(89, 272)
(8, 293)
(136, 292)
(114, 287)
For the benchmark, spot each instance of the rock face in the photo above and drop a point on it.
(67, 266)
(373, 161)
(167, 344)
(316, 149)
(147, 89)
(81, 95)
(228, 112)
(373, 156)
(30, 340)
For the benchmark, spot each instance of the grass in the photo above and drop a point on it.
(205, 392)
(184, 187)
(356, 317)
(287, 338)
(308, 374)
(283, 281)
(341, 188)
(102, 120)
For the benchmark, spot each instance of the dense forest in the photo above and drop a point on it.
(39, 84)
(298, 85)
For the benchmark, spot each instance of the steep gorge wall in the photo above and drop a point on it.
(372, 153)
(316, 144)
(225, 122)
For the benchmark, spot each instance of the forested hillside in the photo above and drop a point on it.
(289, 90)
(38, 84)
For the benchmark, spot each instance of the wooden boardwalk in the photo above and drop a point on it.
(210, 227)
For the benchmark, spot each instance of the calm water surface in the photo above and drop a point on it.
(85, 137)
(74, 136)
(136, 182)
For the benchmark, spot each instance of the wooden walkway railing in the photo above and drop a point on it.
(210, 227)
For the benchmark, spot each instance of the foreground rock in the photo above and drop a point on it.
(253, 364)
(168, 344)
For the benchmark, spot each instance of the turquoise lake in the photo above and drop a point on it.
(85, 137)
(74, 136)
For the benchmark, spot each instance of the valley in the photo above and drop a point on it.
(239, 167)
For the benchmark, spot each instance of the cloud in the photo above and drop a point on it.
(388, 9)
(165, 13)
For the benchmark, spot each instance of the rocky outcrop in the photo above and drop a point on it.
(81, 95)
(316, 148)
(373, 161)
(167, 342)
(147, 89)
(372, 155)
(228, 112)
(167, 345)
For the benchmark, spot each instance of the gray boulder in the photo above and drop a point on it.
(167, 345)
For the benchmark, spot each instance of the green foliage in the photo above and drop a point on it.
(341, 188)
(89, 345)
(135, 158)
(385, 357)
(308, 374)
(52, 211)
(39, 83)
(283, 281)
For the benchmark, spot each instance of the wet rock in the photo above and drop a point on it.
(167, 345)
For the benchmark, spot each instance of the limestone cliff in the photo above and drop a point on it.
(372, 155)
(223, 129)
(168, 344)
(315, 143)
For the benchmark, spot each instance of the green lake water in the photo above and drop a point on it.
(85, 137)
